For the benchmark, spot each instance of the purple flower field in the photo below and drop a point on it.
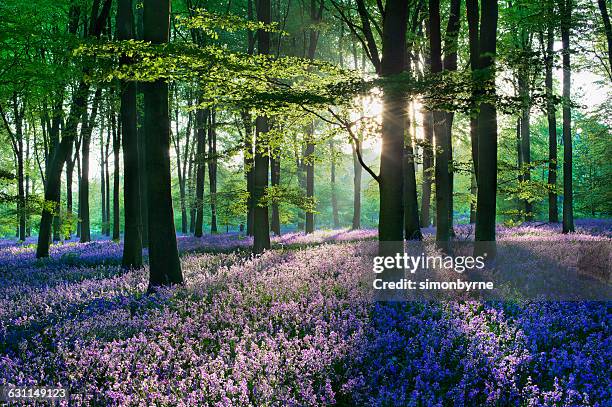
(294, 326)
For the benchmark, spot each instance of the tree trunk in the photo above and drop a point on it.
(391, 178)
(275, 181)
(116, 150)
(553, 211)
(473, 15)
(107, 205)
(248, 168)
(212, 169)
(441, 133)
(412, 228)
(164, 264)
(142, 164)
(88, 125)
(309, 165)
(427, 167)
(568, 191)
(102, 182)
(525, 147)
(334, 197)
(357, 171)
(132, 239)
(200, 166)
(261, 227)
(487, 127)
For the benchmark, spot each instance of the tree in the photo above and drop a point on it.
(164, 263)
(87, 128)
(553, 210)
(132, 241)
(261, 226)
(565, 8)
(487, 125)
(391, 182)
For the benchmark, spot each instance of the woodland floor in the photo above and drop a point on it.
(291, 327)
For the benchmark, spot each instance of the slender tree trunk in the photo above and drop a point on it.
(103, 180)
(412, 227)
(261, 226)
(487, 127)
(357, 172)
(84, 187)
(309, 165)
(525, 148)
(275, 181)
(568, 190)
(116, 150)
(200, 166)
(553, 210)
(248, 168)
(107, 205)
(334, 197)
(164, 264)
(212, 169)
(427, 167)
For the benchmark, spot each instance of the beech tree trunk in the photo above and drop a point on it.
(132, 240)
(391, 178)
(249, 164)
(116, 151)
(200, 167)
(261, 226)
(88, 125)
(164, 264)
(412, 227)
(568, 190)
(212, 169)
(487, 126)
(357, 171)
(553, 210)
(334, 197)
(275, 181)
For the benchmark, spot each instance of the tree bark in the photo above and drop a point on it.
(357, 172)
(487, 127)
(164, 264)
(261, 227)
(200, 167)
(212, 169)
(309, 166)
(116, 151)
(249, 164)
(391, 178)
(334, 197)
(427, 167)
(553, 210)
(84, 186)
(275, 170)
(568, 191)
